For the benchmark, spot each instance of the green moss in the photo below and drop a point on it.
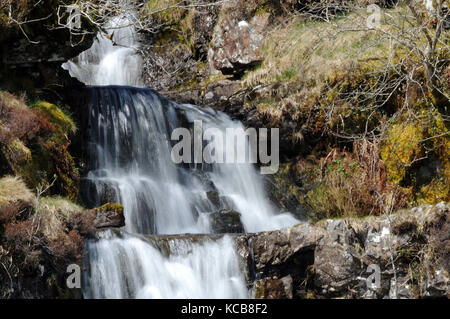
(17, 155)
(411, 144)
(259, 291)
(436, 191)
(401, 148)
(111, 207)
(55, 115)
(263, 9)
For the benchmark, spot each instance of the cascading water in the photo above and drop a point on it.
(112, 59)
(207, 270)
(130, 150)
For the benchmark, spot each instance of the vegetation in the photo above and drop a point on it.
(34, 143)
(56, 214)
(370, 102)
(111, 207)
(35, 231)
(13, 189)
(364, 96)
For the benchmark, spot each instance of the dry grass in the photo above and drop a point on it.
(12, 101)
(353, 185)
(307, 50)
(56, 212)
(14, 189)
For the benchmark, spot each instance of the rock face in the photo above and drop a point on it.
(237, 44)
(352, 258)
(226, 221)
(214, 198)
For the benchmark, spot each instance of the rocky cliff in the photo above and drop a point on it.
(404, 255)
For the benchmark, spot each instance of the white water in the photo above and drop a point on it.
(129, 147)
(207, 270)
(110, 61)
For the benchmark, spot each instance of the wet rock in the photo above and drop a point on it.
(280, 196)
(109, 215)
(226, 221)
(97, 193)
(214, 198)
(226, 202)
(216, 95)
(89, 221)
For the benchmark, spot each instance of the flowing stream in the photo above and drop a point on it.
(129, 148)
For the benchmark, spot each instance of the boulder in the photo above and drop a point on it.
(89, 221)
(226, 221)
(109, 215)
(237, 44)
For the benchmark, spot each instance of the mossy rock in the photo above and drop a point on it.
(109, 215)
(111, 207)
(55, 115)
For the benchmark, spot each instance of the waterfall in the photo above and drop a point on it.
(112, 59)
(129, 151)
(207, 270)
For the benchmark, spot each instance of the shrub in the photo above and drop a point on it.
(46, 232)
(13, 211)
(25, 239)
(34, 142)
(353, 185)
(68, 246)
(18, 121)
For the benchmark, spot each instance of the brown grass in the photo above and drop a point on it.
(354, 185)
(56, 213)
(14, 189)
